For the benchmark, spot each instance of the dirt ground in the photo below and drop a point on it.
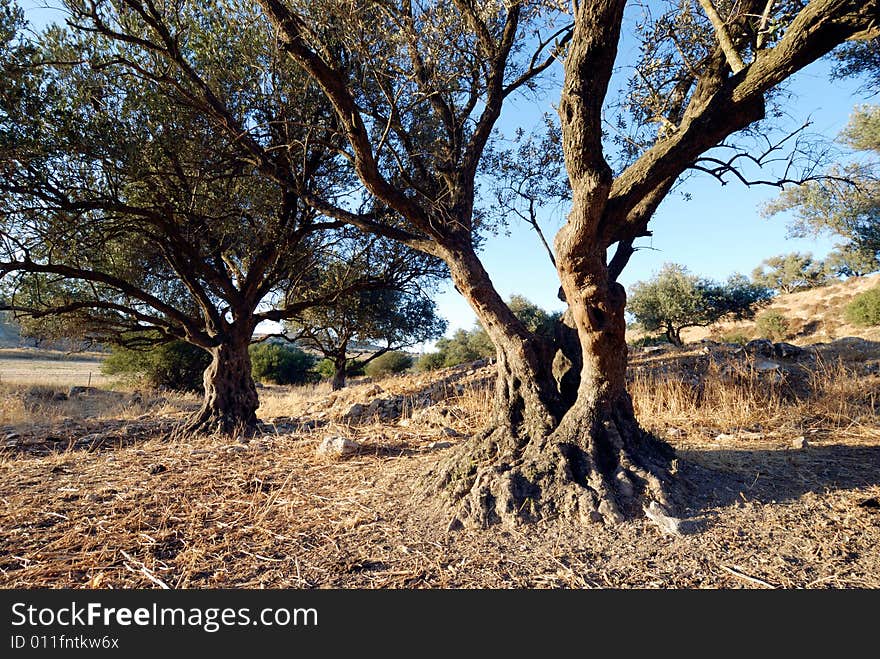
(787, 497)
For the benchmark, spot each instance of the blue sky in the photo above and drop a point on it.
(717, 232)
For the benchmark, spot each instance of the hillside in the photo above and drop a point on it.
(815, 315)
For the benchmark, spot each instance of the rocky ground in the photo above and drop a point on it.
(779, 449)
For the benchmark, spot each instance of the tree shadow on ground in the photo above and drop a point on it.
(717, 478)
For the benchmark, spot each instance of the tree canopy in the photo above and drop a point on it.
(788, 273)
(845, 203)
(676, 299)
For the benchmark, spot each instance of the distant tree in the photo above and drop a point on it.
(676, 299)
(359, 328)
(846, 203)
(389, 363)
(788, 273)
(851, 261)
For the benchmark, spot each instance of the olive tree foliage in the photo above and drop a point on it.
(417, 87)
(846, 203)
(675, 299)
(387, 319)
(788, 273)
(150, 185)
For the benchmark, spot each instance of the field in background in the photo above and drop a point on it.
(32, 366)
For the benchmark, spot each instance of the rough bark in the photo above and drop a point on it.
(340, 365)
(570, 445)
(230, 402)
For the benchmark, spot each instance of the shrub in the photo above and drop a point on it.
(736, 337)
(177, 365)
(864, 310)
(391, 362)
(430, 361)
(271, 362)
(327, 369)
(772, 325)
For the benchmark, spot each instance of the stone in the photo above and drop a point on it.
(764, 365)
(723, 437)
(787, 350)
(156, 469)
(355, 411)
(451, 432)
(439, 445)
(759, 347)
(89, 440)
(337, 447)
(799, 442)
(651, 350)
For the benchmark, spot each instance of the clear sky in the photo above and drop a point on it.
(717, 232)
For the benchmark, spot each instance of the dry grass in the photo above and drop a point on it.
(210, 513)
(727, 397)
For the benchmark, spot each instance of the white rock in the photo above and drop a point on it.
(337, 447)
(439, 445)
(799, 442)
(766, 365)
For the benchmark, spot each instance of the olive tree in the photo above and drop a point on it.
(418, 86)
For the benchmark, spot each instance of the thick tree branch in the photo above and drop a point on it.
(734, 59)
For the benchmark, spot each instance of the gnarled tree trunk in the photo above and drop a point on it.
(230, 403)
(564, 440)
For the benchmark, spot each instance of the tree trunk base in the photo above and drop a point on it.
(608, 472)
(211, 422)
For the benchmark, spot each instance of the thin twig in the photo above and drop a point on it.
(145, 571)
(745, 577)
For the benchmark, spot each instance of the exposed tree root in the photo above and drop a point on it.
(608, 472)
(210, 422)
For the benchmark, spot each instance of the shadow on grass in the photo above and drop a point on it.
(718, 478)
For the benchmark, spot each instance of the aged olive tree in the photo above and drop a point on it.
(149, 187)
(417, 87)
